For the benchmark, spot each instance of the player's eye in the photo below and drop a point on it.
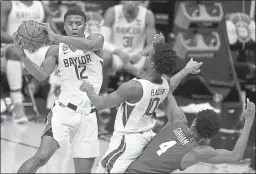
(79, 24)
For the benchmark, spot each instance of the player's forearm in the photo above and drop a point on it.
(241, 143)
(96, 100)
(34, 69)
(77, 42)
(6, 38)
(177, 78)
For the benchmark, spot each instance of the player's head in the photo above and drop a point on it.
(162, 60)
(206, 124)
(75, 22)
(131, 7)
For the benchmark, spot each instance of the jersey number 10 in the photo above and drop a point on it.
(153, 103)
(80, 74)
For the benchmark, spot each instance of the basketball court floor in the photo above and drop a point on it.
(20, 142)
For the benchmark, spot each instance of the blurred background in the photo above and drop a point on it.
(221, 34)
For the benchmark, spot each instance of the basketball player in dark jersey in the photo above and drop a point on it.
(176, 145)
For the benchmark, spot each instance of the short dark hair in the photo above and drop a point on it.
(165, 58)
(75, 11)
(207, 123)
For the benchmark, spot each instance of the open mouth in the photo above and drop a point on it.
(75, 34)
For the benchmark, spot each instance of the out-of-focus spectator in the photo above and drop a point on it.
(12, 15)
(127, 28)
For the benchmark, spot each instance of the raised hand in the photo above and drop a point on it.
(249, 110)
(193, 66)
(158, 38)
(51, 34)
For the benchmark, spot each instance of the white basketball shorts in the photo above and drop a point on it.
(123, 150)
(81, 130)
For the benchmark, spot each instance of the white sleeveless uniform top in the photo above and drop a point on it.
(75, 67)
(138, 117)
(129, 36)
(20, 12)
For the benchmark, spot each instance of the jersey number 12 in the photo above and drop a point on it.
(165, 146)
(79, 73)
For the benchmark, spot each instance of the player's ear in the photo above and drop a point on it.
(152, 64)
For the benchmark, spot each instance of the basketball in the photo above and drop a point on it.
(32, 34)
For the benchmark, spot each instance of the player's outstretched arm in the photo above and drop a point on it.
(93, 44)
(192, 67)
(127, 91)
(226, 156)
(173, 111)
(48, 65)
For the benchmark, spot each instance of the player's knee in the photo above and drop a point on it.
(12, 53)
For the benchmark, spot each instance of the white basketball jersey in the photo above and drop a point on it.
(75, 67)
(20, 12)
(138, 117)
(129, 36)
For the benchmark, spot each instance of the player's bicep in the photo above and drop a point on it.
(150, 27)
(50, 61)
(223, 156)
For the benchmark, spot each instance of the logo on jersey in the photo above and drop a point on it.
(180, 136)
(64, 48)
(80, 60)
(27, 15)
(128, 30)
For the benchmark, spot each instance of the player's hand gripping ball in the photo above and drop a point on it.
(33, 35)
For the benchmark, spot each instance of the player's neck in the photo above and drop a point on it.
(194, 135)
(152, 76)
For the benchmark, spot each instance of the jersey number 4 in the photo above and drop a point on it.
(80, 69)
(165, 146)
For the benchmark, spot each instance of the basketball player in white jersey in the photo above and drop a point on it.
(135, 117)
(127, 28)
(12, 15)
(72, 118)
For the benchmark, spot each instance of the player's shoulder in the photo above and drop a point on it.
(132, 87)
(204, 150)
(133, 84)
(150, 17)
(110, 11)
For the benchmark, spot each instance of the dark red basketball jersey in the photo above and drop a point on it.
(165, 152)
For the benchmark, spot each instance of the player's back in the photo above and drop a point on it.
(73, 68)
(165, 152)
(21, 12)
(138, 117)
(129, 36)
